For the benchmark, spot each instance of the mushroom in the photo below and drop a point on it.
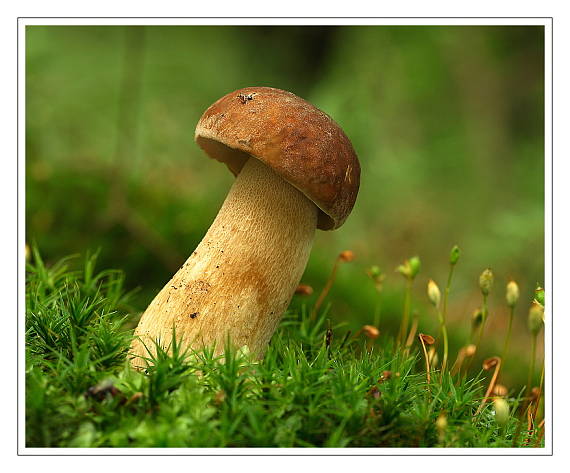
(296, 171)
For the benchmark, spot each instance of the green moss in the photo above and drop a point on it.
(80, 391)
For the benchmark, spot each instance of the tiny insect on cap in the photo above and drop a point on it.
(298, 141)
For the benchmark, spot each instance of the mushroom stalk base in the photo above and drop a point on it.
(240, 279)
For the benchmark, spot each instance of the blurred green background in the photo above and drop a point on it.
(448, 124)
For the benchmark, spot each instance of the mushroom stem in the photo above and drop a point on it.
(241, 277)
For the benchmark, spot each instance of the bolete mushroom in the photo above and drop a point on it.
(296, 171)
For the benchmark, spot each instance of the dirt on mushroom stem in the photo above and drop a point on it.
(242, 276)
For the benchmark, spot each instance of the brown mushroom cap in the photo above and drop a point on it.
(297, 140)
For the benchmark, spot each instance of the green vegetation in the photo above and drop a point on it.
(317, 386)
(448, 124)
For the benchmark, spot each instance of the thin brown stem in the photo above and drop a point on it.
(540, 429)
(456, 368)
(540, 388)
(412, 334)
(325, 290)
(426, 339)
(465, 352)
(529, 418)
(487, 365)
(531, 365)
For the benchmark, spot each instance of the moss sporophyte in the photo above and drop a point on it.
(316, 385)
(409, 270)
(345, 256)
(512, 297)
(434, 295)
